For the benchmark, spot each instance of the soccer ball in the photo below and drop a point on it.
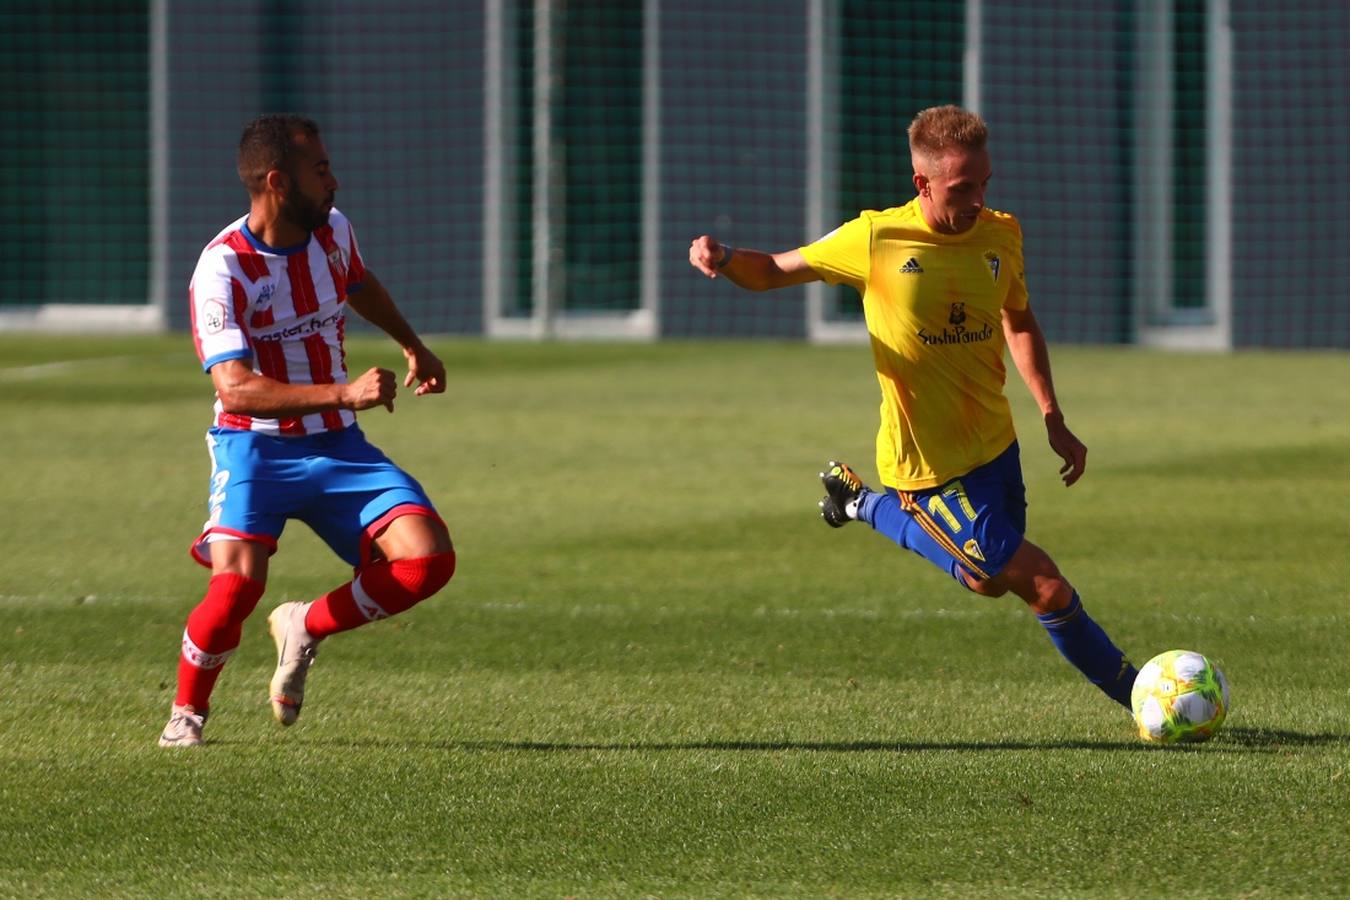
(1179, 696)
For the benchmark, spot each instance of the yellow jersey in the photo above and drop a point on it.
(934, 306)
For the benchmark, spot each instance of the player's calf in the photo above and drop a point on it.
(1087, 647)
(209, 639)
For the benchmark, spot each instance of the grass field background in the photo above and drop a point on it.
(657, 672)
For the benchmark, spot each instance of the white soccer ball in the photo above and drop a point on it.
(1179, 696)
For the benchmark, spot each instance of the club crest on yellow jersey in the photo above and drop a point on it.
(991, 259)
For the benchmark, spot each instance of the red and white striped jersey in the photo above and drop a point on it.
(281, 308)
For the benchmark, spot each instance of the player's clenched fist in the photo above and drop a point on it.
(375, 387)
(704, 255)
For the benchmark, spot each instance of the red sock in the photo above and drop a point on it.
(212, 634)
(381, 589)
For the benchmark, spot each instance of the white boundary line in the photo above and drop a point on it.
(59, 367)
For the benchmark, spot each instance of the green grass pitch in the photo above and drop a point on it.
(657, 672)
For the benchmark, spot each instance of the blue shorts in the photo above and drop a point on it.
(337, 483)
(972, 524)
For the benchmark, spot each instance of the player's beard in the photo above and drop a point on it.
(302, 211)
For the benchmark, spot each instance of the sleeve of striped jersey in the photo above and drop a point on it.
(844, 256)
(218, 306)
(356, 269)
(1017, 291)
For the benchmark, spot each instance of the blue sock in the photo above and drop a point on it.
(1083, 643)
(882, 511)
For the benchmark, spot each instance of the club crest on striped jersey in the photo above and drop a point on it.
(991, 259)
(338, 260)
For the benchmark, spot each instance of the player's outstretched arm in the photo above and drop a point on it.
(750, 269)
(374, 304)
(1031, 355)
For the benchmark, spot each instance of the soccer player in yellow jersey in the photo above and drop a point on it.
(944, 292)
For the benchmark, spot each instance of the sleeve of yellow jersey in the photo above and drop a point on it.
(844, 256)
(1017, 291)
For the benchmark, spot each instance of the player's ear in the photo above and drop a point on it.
(278, 181)
(921, 184)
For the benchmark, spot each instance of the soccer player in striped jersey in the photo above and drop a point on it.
(269, 299)
(943, 291)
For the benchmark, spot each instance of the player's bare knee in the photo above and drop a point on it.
(433, 539)
(986, 587)
(441, 542)
(416, 537)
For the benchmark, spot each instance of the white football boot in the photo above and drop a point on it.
(184, 728)
(295, 654)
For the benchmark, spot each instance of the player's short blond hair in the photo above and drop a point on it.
(940, 129)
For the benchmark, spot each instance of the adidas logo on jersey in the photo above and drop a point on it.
(911, 267)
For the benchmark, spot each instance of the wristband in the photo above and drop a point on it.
(727, 253)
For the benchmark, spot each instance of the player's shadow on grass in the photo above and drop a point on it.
(1239, 738)
(791, 746)
(1260, 740)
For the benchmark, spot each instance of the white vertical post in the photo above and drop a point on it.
(822, 163)
(499, 104)
(158, 287)
(972, 59)
(547, 175)
(650, 274)
(549, 317)
(1152, 225)
(1158, 323)
(1219, 160)
(815, 152)
(77, 315)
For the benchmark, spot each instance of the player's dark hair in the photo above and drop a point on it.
(268, 143)
(938, 129)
